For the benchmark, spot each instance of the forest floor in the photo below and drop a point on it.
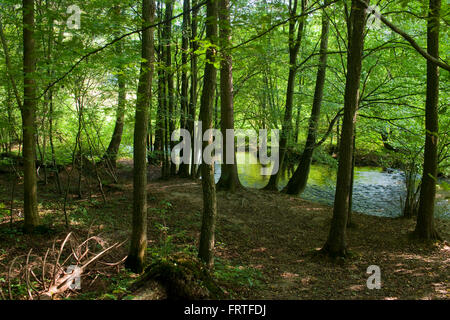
(266, 242)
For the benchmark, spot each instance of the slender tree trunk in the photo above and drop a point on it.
(79, 103)
(184, 167)
(162, 93)
(294, 46)
(297, 183)
(170, 83)
(336, 242)
(136, 257)
(425, 218)
(114, 144)
(11, 120)
(207, 235)
(165, 92)
(160, 112)
(29, 119)
(52, 146)
(159, 130)
(229, 179)
(194, 82)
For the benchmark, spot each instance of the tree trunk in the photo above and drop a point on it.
(425, 218)
(52, 146)
(114, 145)
(159, 135)
(206, 245)
(294, 46)
(170, 83)
(184, 167)
(194, 82)
(136, 257)
(160, 113)
(336, 242)
(229, 179)
(29, 119)
(297, 183)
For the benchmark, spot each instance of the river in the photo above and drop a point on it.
(375, 192)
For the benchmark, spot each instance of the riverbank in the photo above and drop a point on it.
(265, 242)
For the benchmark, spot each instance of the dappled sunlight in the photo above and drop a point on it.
(289, 275)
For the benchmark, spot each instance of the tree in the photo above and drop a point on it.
(29, 118)
(194, 80)
(160, 135)
(207, 234)
(229, 179)
(298, 181)
(136, 257)
(114, 144)
(294, 46)
(425, 217)
(184, 167)
(336, 242)
(170, 85)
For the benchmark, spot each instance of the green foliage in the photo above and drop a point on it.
(322, 157)
(237, 275)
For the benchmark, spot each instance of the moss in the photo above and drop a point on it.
(183, 277)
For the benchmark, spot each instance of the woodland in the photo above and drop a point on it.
(94, 207)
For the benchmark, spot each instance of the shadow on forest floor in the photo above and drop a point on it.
(264, 241)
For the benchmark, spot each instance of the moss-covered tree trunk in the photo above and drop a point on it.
(29, 119)
(336, 242)
(136, 257)
(229, 179)
(425, 218)
(206, 246)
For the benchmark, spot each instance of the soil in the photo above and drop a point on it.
(269, 242)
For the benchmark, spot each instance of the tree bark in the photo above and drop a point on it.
(29, 119)
(336, 242)
(229, 179)
(297, 183)
(136, 257)
(425, 218)
(207, 235)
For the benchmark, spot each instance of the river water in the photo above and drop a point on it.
(375, 192)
